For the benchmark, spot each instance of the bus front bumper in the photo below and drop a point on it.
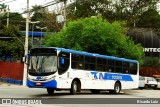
(37, 84)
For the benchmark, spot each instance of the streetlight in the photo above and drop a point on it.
(33, 29)
(41, 31)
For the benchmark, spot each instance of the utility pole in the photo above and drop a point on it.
(26, 45)
(65, 17)
(8, 16)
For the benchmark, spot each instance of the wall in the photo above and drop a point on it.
(11, 72)
(149, 71)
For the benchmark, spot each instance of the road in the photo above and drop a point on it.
(15, 91)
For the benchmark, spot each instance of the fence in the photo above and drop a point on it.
(11, 72)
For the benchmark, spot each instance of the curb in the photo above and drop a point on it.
(10, 81)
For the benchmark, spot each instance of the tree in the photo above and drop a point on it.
(88, 8)
(11, 43)
(14, 19)
(149, 19)
(3, 7)
(97, 36)
(120, 10)
(46, 18)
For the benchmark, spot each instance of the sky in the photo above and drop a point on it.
(20, 5)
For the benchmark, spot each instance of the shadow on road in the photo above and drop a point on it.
(66, 93)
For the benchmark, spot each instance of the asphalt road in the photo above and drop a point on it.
(83, 98)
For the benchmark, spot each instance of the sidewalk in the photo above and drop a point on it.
(8, 84)
(10, 81)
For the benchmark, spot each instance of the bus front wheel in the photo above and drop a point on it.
(50, 91)
(74, 88)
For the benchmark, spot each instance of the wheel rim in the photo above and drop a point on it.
(117, 88)
(75, 87)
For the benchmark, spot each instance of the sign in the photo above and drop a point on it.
(151, 49)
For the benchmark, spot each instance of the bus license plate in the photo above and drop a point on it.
(38, 83)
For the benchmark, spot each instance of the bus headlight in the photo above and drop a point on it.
(52, 78)
(29, 78)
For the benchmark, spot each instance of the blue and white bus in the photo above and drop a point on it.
(66, 69)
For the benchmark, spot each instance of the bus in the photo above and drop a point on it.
(65, 69)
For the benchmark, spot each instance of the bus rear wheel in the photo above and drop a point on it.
(95, 91)
(74, 88)
(50, 91)
(117, 88)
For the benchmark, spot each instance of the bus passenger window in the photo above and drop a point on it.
(133, 68)
(77, 61)
(126, 70)
(110, 69)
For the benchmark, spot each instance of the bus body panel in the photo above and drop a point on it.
(89, 79)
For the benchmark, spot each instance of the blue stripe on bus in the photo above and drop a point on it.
(111, 76)
(50, 84)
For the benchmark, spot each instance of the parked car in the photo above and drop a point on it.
(141, 82)
(147, 82)
(158, 83)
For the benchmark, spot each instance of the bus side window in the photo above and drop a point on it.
(126, 67)
(118, 66)
(101, 64)
(133, 68)
(90, 63)
(111, 65)
(77, 61)
(64, 62)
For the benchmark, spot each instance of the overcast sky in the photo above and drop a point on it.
(20, 5)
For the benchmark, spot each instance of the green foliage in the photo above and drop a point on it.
(46, 18)
(14, 44)
(14, 19)
(120, 10)
(3, 7)
(151, 61)
(149, 19)
(97, 36)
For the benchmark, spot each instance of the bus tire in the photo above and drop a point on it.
(155, 88)
(95, 91)
(117, 88)
(50, 91)
(74, 88)
(145, 86)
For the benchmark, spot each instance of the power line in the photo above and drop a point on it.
(2, 0)
(9, 1)
(32, 10)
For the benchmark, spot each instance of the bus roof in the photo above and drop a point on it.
(93, 54)
(97, 55)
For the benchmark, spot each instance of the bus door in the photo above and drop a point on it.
(63, 66)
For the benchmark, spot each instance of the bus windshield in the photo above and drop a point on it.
(43, 64)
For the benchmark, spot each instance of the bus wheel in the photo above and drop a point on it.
(117, 88)
(145, 86)
(50, 91)
(74, 88)
(95, 91)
